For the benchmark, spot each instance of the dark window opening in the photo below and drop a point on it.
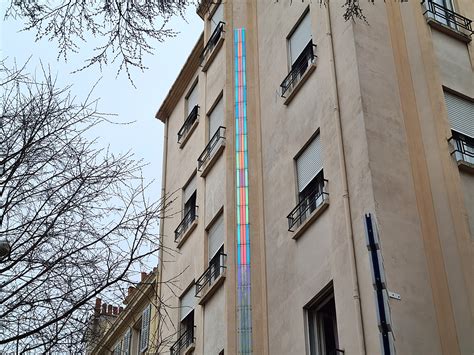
(322, 326)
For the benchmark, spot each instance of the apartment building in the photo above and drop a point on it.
(131, 329)
(321, 174)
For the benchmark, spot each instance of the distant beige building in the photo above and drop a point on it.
(130, 330)
(324, 172)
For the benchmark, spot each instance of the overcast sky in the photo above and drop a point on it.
(117, 95)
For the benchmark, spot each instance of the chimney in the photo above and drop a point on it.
(104, 308)
(97, 307)
(143, 276)
(115, 310)
(120, 310)
(109, 309)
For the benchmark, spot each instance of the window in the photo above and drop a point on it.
(299, 38)
(441, 11)
(187, 225)
(322, 325)
(216, 118)
(189, 198)
(192, 99)
(145, 329)
(461, 117)
(186, 322)
(215, 136)
(191, 111)
(217, 16)
(117, 349)
(215, 237)
(311, 185)
(301, 55)
(127, 340)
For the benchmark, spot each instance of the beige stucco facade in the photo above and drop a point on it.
(375, 97)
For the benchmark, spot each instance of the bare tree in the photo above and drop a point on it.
(76, 217)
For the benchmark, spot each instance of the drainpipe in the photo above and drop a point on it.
(347, 207)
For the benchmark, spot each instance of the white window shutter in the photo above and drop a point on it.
(309, 163)
(215, 236)
(217, 17)
(187, 303)
(192, 98)
(216, 118)
(460, 114)
(126, 342)
(300, 37)
(189, 189)
(145, 331)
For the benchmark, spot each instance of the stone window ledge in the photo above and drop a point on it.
(314, 215)
(207, 294)
(186, 234)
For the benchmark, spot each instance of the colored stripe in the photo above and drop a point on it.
(244, 305)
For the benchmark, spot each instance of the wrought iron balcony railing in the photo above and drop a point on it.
(211, 43)
(299, 67)
(183, 342)
(306, 207)
(216, 268)
(208, 150)
(447, 17)
(463, 147)
(188, 123)
(183, 226)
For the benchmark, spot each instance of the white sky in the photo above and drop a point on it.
(117, 95)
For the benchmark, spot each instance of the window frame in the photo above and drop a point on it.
(311, 316)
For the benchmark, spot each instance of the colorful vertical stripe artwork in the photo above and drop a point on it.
(244, 305)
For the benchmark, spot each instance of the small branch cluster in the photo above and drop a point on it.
(125, 28)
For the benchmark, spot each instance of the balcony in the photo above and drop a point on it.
(300, 71)
(186, 226)
(308, 210)
(463, 151)
(185, 343)
(212, 46)
(448, 21)
(188, 126)
(212, 151)
(212, 278)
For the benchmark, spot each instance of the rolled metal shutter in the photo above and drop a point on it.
(187, 303)
(217, 17)
(309, 163)
(189, 189)
(460, 114)
(300, 37)
(192, 98)
(215, 236)
(216, 118)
